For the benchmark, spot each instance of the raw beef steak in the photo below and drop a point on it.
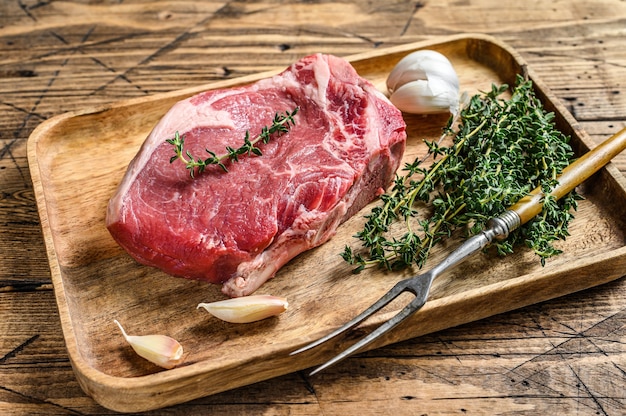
(239, 227)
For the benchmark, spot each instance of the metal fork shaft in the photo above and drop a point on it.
(497, 228)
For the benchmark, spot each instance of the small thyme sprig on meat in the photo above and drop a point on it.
(281, 124)
(501, 150)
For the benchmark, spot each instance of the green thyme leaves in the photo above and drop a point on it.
(501, 149)
(281, 124)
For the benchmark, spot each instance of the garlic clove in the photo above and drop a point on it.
(161, 350)
(441, 86)
(399, 78)
(441, 83)
(418, 97)
(246, 309)
(421, 65)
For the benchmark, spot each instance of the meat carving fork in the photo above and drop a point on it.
(497, 228)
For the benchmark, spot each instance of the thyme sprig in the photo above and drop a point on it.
(501, 150)
(280, 124)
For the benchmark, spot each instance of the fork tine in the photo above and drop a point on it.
(407, 311)
(393, 293)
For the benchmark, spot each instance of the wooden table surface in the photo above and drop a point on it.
(565, 356)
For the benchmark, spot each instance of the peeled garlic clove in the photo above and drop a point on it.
(438, 90)
(246, 309)
(161, 350)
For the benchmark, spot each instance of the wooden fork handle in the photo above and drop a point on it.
(530, 206)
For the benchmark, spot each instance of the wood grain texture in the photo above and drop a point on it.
(565, 356)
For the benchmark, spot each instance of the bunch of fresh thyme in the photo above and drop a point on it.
(281, 124)
(501, 150)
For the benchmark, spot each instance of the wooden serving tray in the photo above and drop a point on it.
(77, 160)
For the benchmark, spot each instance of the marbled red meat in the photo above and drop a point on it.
(238, 228)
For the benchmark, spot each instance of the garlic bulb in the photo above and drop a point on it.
(161, 350)
(246, 309)
(424, 82)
